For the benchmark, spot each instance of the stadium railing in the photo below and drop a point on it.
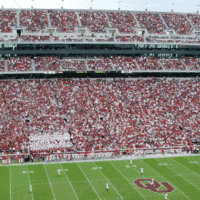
(94, 155)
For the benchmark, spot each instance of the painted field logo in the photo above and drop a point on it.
(154, 188)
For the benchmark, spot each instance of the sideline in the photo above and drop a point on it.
(128, 157)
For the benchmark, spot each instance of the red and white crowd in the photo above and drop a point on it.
(148, 63)
(97, 22)
(173, 64)
(63, 21)
(177, 22)
(99, 63)
(191, 63)
(19, 64)
(100, 114)
(33, 20)
(94, 21)
(123, 21)
(34, 38)
(151, 22)
(124, 63)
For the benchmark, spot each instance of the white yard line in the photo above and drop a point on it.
(181, 176)
(49, 182)
(185, 167)
(69, 182)
(127, 180)
(109, 181)
(166, 179)
(88, 181)
(29, 180)
(10, 182)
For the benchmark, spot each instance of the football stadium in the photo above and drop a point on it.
(99, 104)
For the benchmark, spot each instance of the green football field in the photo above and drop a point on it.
(87, 180)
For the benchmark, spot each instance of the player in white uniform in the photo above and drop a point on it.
(59, 171)
(166, 196)
(107, 186)
(141, 171)
(130, 162)
(152, 183)
(30, 188)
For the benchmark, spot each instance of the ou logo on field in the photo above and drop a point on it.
(154, 188)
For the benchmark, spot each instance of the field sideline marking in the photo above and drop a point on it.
(10, 182)
(49, 182)
(88, 181)
(100, 160)
(29, 180)
(70, 182)
(165, 178)
(109, 181)
(185, 167)
(127, 180)
(182, 177)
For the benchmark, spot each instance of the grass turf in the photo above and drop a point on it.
(87, 180)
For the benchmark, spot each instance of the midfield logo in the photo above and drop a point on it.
(154, 188)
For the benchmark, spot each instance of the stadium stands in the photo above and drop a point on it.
(83, 114)
(177, 22)
(2, 66)
(33, 38)
(8, 20)
(100, 63)
(73, 65)
(124, 63)
(192, 63)
(99, 115)
(148, 63)
(129, 38)
(47, 63)
(173, 64)
(56, 26)
(195, 21)
(151, 22)
(63, 21)
(124, 22)
(95, 21)
(19, 64)
(33, 20)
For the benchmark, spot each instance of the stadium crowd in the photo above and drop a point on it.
(53, 63)
(37, 21)
(86, 114)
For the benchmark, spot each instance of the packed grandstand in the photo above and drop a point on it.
(40, 25)
(96, 114)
